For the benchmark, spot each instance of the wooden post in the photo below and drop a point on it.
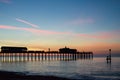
(42, 56)
(110, 53)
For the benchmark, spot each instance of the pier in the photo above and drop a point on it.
(37, 56)
(64, 54)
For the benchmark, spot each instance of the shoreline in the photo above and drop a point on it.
(9, 75)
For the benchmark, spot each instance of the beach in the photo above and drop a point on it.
(6, 75)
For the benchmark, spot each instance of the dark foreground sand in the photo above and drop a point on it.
(5, 75)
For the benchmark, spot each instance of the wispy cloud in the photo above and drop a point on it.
(38, 31)
(80, 21)
(8, 27)
(26, 22)
(33, 30)
(98, 35)
(101, 35)
(5, 1)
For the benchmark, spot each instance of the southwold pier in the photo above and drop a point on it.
(22, 54)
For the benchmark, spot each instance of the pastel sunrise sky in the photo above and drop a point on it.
(87, 25)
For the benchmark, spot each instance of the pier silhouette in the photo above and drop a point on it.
(11, 54)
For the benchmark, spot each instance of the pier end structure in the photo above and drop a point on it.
(9, 49)
(67, 50)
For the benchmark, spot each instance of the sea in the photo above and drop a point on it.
(81, 69)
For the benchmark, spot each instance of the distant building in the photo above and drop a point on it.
(13, 49)
(67, 50)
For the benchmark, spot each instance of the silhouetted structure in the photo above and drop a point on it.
(67, 50)
(21, 54)
(6, 49)
(109, 57)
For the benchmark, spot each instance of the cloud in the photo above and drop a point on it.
(8, 27)
(101, 35)
(26, 22)
(5, 1)
(38, 31)
(98, 35)
(81, 21)
(33, 30)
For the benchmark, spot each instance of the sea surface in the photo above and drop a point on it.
(81, 69)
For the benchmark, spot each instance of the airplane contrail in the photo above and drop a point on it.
(26, 22)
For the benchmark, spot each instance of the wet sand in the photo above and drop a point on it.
(6, 75)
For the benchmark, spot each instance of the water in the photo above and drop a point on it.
(82, 69)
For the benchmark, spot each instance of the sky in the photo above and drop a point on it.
(87, 25)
